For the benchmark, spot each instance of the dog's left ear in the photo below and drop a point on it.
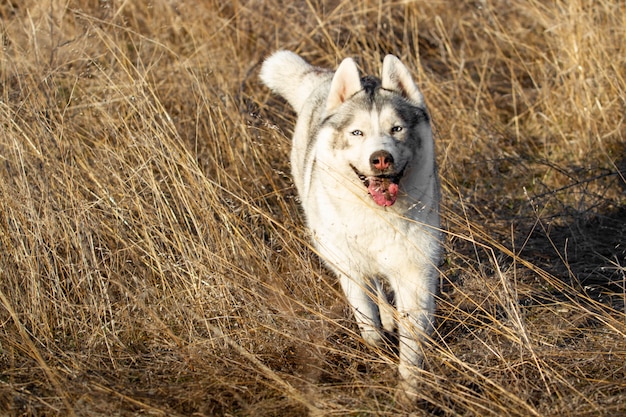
(396, 77)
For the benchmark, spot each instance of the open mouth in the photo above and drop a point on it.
(383, 188)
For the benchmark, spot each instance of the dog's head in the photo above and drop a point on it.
(373, 128)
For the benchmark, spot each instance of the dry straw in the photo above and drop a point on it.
(153, 259)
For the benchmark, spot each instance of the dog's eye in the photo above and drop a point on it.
(356, 133)
(396, 129)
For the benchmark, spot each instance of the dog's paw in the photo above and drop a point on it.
(407, 394)
(373, 337)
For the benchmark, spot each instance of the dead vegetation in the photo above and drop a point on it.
(152, 254)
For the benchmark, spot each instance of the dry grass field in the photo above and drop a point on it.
(153, 259)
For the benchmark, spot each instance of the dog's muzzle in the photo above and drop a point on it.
(382, 188)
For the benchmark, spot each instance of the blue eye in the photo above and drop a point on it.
(396, 129)
(356, 133)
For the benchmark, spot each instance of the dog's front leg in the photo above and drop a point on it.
(415, 303)
(366, 313)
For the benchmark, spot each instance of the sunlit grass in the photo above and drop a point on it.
(153, 258)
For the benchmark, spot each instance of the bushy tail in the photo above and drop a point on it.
(290, 76)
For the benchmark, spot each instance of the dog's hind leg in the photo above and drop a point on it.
(386, 304)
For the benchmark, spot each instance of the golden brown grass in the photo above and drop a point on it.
(153, 259)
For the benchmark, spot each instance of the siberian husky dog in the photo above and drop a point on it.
(364, 166)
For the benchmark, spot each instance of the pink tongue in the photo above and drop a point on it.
(383, 191)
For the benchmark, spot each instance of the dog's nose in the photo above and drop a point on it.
(381, 160)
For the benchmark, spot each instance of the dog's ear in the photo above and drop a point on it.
(346, 82)
(396, 77)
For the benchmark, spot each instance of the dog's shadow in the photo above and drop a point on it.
(588, 254)
(582, 244)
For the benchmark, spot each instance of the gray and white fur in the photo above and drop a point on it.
(363, 163)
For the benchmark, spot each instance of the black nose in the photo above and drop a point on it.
(381, 160)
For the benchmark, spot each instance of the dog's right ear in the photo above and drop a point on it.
(346, 82)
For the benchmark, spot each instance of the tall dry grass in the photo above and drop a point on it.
(153, 259)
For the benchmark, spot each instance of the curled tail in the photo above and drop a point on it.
(290, 76)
